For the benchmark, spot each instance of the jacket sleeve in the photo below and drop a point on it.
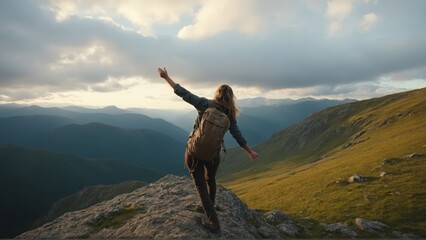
(200, 103)
(236, 133)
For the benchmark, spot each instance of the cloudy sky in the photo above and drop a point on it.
(105, 52)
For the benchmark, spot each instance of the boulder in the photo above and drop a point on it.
(275, 217)
(346, 145)
(370, 226)
(413, 155)
(357, 178)
(289, 229)
(340, 228)
(282, 222)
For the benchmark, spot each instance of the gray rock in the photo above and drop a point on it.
(346, 145)
(370, 226)
(289, 229)
(341, 229)
(268, 232)
(163, 210)
(413, 155)
(275, 217)
(357, 178)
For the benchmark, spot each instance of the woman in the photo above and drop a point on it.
(204, 172)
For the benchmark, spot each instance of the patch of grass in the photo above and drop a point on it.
(117, 219)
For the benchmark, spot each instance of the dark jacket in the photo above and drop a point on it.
(201, 104)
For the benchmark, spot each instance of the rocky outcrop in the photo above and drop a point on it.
(341, 229)
(282, 222)
(164, 209)
(370, 226)
(357, 178)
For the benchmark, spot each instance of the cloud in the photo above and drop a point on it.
(219, 16)
(113, 85)
(334, 27)
(339, 9)
(59, 46)
(368, 20)
(138, 15)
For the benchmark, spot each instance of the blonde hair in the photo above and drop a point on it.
(225, 97)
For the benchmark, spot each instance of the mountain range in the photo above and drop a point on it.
(32, 180)
(122, 120)
(309, 152)
(144, 147)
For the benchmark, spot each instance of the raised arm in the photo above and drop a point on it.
(163, 73)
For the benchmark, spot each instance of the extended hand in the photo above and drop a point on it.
(163, 73)
(254, 156)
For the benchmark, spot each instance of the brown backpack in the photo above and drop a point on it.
(207, 139)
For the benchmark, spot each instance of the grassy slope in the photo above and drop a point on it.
(395, 126)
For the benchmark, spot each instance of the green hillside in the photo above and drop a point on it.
(301, 166)
(32, 180)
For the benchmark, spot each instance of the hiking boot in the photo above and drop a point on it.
(214, 227)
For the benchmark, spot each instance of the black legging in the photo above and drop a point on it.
(203, 172)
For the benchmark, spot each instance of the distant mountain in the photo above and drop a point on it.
(32, 180)
(262, 101)
(270, 116)
(142, 147)
(304, 169)
(167, 114)
(106, 110)
(124, 120)
(21, 130)
(288, 114)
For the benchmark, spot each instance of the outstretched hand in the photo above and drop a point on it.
(254, 156)
(163, 73)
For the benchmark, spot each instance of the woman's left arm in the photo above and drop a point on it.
(198, 102)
